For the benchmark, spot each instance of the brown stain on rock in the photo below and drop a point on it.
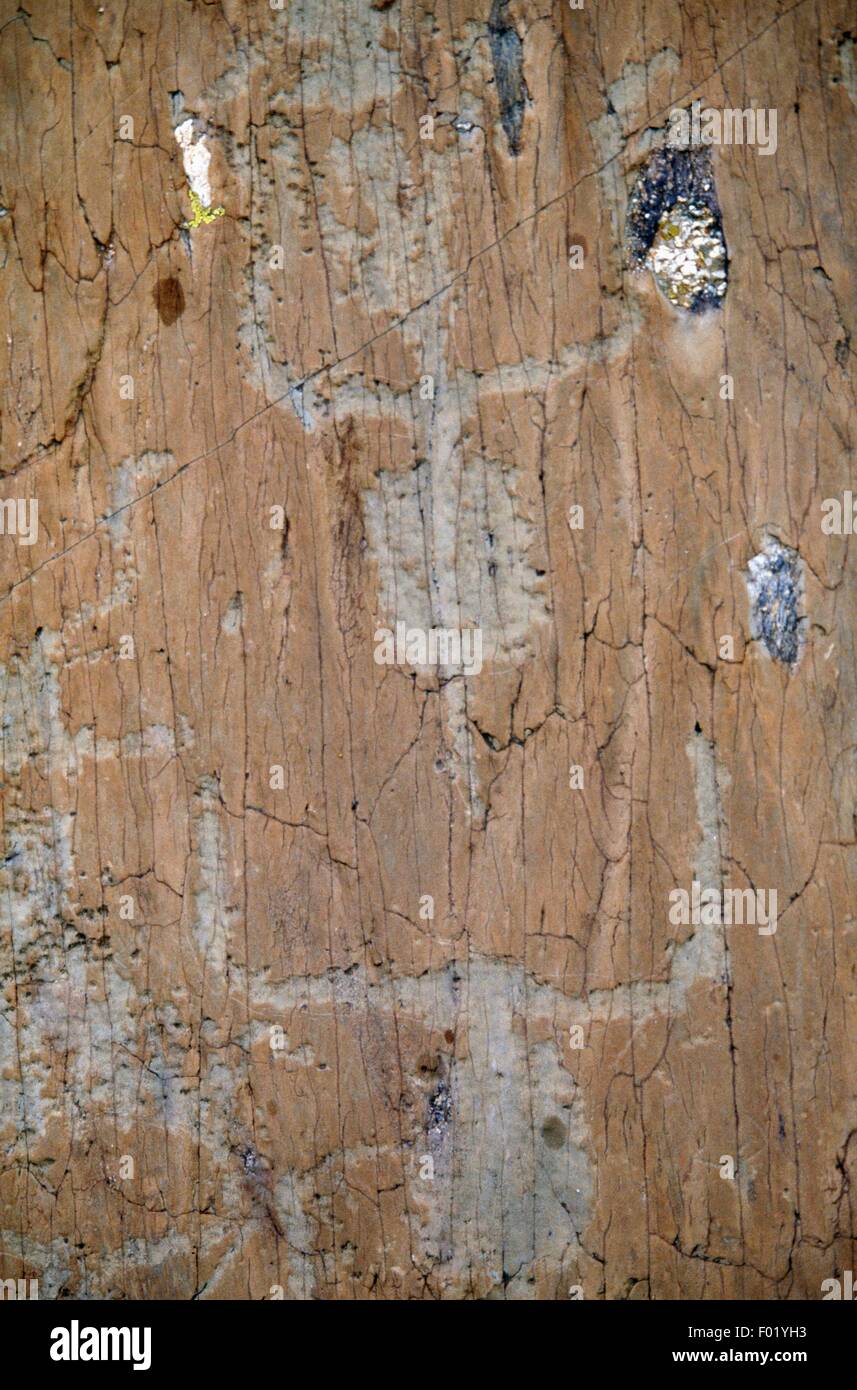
(169, 300)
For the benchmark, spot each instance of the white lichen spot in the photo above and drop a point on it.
(197, 157)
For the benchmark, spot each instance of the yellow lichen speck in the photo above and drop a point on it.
(200, 212)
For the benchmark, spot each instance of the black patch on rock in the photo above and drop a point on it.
(507, 55)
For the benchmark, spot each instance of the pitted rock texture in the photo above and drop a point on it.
(333, 980)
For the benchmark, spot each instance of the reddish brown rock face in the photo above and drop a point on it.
(335, 966)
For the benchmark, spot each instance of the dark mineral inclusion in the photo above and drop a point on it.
(774, 582)
(680, 181)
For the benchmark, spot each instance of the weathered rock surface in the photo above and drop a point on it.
(504, 1072)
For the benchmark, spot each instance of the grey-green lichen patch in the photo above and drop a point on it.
(775, 585)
